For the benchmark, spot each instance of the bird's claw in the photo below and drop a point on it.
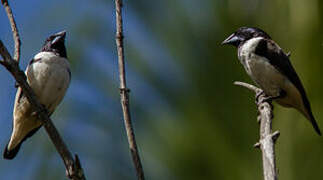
(43, 109)
(267, 99)
(258, 94)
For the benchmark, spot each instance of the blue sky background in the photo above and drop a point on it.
(85, 104)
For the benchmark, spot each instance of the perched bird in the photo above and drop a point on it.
(269, 67)
(49, 75)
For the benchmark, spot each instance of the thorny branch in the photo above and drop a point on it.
(74, 170)
(124, 93)
(267, 138)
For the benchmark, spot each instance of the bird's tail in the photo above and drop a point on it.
(309, 115)
(314, 123)
(10, 154)
(305, 109)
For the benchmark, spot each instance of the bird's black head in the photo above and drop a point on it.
(243, 34)
(55, 43)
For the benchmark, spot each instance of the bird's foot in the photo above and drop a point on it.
(25, 77)
(258, 94)
(43, 109)
(269, 99)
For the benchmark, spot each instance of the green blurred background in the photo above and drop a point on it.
(191, 122)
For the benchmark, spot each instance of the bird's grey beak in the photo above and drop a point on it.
(59, 36)
(232, 39)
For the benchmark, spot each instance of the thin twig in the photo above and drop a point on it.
(124, 93)
(267, 138)
(248, 86)
(73, 168)
(14, 29)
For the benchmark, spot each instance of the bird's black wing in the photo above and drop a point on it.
(270, 50)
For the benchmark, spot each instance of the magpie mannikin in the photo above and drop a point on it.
(49, 75)
(269, 67)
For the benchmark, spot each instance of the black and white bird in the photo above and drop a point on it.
(49, 75)
(269, 67)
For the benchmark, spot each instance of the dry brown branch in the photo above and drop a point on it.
(13, 29)
(267, 138)
(73, 167)
(124, 93)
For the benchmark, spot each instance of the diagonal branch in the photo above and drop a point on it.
(73, 167)
(124, 93)
(267, 138)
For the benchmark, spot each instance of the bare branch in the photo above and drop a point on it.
(267, 138)
(124, 93)
(73, 168)
(248, 86)
(13, 29)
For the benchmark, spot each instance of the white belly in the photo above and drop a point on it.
(49, 79)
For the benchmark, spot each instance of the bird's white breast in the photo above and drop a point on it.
(49, 77)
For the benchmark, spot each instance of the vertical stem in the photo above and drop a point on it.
(124, 93)
(267, 138)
